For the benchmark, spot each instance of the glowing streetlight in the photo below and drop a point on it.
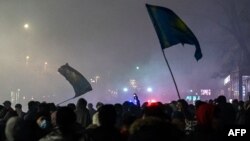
(149, 89)
(26, 26)
(125, 89)
(27, 60)
(45, 66)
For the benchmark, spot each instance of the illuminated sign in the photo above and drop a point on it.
(206, 92)
(192, 98)
(227, 79)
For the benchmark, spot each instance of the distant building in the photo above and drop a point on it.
(237, 85)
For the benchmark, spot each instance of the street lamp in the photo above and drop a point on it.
(125, 89)
(27, 60)
(96, 78)
(45, 66)
(149, 89)
(26, 26)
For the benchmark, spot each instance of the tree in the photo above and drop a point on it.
(237, 24)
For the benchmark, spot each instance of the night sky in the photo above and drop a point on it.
(109, 39)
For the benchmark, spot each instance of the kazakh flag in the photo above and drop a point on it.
(76, 79)
(171, 30)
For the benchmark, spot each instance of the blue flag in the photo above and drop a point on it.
(171, 30)
(76, 79)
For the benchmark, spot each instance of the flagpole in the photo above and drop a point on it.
(171, 74)
(65, 101)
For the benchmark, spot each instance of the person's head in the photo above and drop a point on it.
(182, 105)
(52, 107)
(118, 108)
(90, 106)
(198, 103)
(81, 103)
(72, 106)
(7, 104)
(18, 107)
(44, 108)
(221, 99)
(107, 115)
(99, 105)
(32, 106)
(65, 117)
(155, 109)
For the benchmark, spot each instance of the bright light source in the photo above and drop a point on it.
(137, 67)
(45, 63)
(27, 60)
(26, 26)
(125, 89)
(149, 89)
(230, 100)
(151, 101)
(92, 80)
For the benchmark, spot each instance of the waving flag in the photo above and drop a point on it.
(171, 30)
(76, 79)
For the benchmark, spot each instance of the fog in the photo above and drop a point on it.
(109, 39)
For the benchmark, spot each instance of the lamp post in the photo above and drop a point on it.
(45, 66)
(26, 26)
(27, 60)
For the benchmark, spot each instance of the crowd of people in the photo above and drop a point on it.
(149, 121)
